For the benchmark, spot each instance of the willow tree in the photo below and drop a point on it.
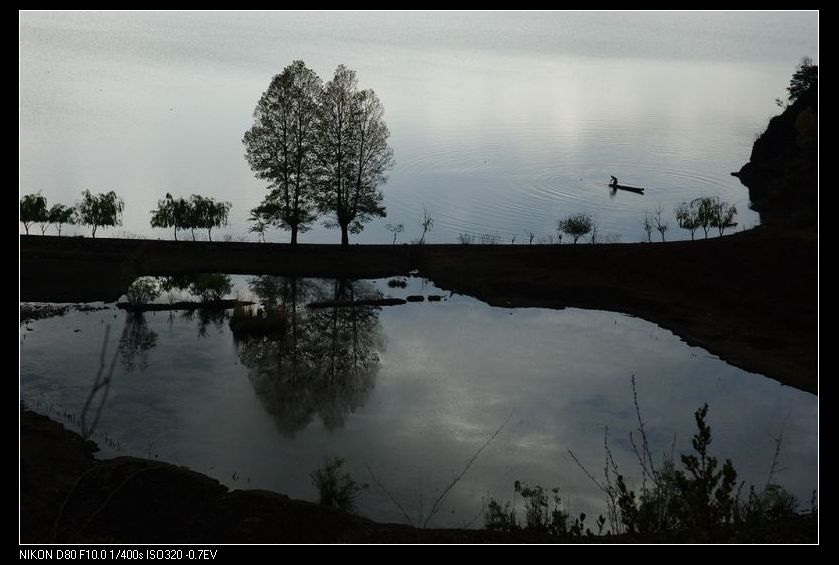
(207, 213)
(723, 216)
(33, 208)
(169, 214)
(354, 155)
(687, 215)
(60, 214)
(280, 147)
(100, 210)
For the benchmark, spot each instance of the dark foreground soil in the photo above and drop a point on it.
(750, 298)
(67, 496)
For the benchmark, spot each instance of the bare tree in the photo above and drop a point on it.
(280, 147)
(595, 232)
(660, 222)
(354, 155)
(395, 229)
(648, 226)
(426, 223)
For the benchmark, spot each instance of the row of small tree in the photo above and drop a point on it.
(706, 212)
(102, 210)
(198, 212)
(95, 210)
(323, 151)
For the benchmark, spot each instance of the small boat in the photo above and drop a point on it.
(634, 189)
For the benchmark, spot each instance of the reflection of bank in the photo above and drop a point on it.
(322, 361)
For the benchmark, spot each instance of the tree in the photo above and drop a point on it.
(100, 210)
(44, 223)
(576, 225)
(648, 226)
(280, 146)
(595, 233)
(353, 153)
(33, 208)
(704, 207)
(60, 214)
(169, 214)
(722, 215)
(395, 230)
(259, 219)
(206, 213)
(660, 222)
(426, 223)
(686, 216)
(806, 75)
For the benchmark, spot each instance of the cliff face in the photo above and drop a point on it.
(782, 174)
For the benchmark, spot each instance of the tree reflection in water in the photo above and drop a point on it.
(323, 362)
(136, 341)
(209, 315)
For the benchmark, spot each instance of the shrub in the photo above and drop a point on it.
(142, 291)
(336, 488)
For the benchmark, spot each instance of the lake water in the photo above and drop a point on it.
(410, 392)
(501, 122)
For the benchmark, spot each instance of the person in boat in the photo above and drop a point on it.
(614, 181)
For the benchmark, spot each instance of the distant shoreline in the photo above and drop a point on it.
(750, 298)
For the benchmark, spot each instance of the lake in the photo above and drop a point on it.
(409, 393)
(501, 122)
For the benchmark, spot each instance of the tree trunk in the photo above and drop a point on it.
(294, 235)
(345, 236)
(58, 227)
(176, 234)
(210, 234)
(26, 228)
(94, 231)
(193, 233)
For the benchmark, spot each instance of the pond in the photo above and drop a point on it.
(408, 393)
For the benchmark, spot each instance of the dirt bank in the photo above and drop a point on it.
(750, 298)
(67, 496)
